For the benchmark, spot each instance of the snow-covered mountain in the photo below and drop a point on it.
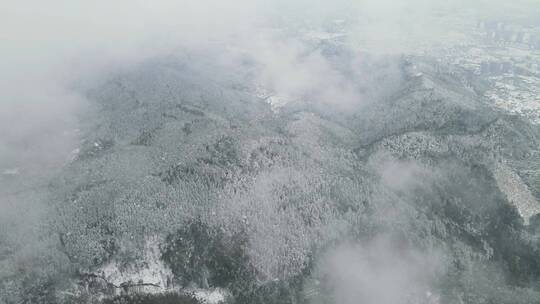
(211, 177)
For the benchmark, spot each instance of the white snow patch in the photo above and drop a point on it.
(74, 154)
(151, 270)
(210, 296)
(516, 192)
(276, 101)
(320, 35)
(12, 171)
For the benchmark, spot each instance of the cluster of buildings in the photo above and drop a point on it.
(506, 33)
(504, 62)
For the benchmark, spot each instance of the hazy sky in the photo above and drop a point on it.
(47, 45)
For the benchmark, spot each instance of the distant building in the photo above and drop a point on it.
(519, 38)
(507, 67)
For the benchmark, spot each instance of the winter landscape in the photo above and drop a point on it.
(285, 152)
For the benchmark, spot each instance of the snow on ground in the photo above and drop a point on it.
(152, 276)
(209, 296)
(516, 192)
(12, 171)
(151, 271)
(276, 102)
